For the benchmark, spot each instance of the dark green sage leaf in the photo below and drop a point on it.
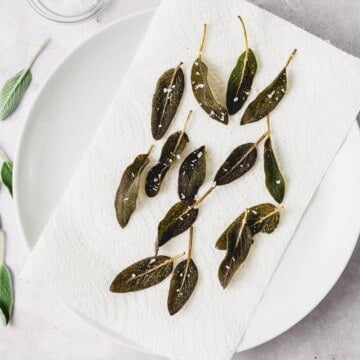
(261, 218)
(171, 150)
(241, 78)
(143, 274)
(127, 192)
(240, 240)
(269, 98)
(192, 174)
(166, 99)
(274, 180)
(6, 175)
(178, 219)
(239, 162)
(6, 294)
(14, 88)
(202, 90)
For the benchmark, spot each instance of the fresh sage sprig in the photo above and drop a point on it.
(274, 179)
(127, 193)
(260, 218)
(144, 274)
(171, 151)
(6, 171)
(269, 98)
(242, 77)
(202, 90)
(14, 88)
(166, 99)
(183, 281)
(6, 288)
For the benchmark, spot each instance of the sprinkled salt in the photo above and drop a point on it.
(71, 7)
(278, 181)
(199, 86)
(236, 99)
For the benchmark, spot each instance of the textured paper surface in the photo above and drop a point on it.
(83, 247)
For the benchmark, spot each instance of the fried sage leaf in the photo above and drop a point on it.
(6, 294)
(178, 219)
(14, 88)
(192, 174)
(274, 180)
(269, 98)
(202, 90)
(183, 281)
(261, 218)
(182, 285)
(166, 99)
(127, 192)
(241, 78)
(239, 162)
(143, 274)
(240, 240)
(172, 149)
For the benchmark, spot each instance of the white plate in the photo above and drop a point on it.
(67, 112)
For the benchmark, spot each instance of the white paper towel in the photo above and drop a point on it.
(83, 248)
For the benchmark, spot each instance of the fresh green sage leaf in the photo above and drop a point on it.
(269, 98)
(166, 99)
(127, 192)
(171, 151)
(177, 220)
(240, 240)
(238, 163)
(241, 78)
(14, 88)
(202, 90)
(182, 285)
(192, 174)
(143, 274)
(6, 293)
(274, 180)
(261, 218)
(6, 175)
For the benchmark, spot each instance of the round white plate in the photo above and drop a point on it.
(67, 112)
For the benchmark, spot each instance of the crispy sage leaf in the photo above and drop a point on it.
(6, 175)
(143, 274)
(182, 285)
(261, 218)
(166, 99)
(269, 98)
(202, 91)
(192, 174)
(127, 192)
(240, 161)
(241, 78)
(6, 294)
(274, 180)
(14, 88)
(178, 219)
(171, 150)
(240, 240)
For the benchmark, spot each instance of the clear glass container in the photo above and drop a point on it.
(68, 11)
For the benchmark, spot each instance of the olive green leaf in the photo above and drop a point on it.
(177, 220)
(166, 99)
(261, 218)
(14, 88)
(127, 192)
(192, 174)
(183, 282)
(202, 91)
(171, 151)
(269, 98)
(6, 175)
(274, 180)
(240, 240)
(241, 78)
(6, 294)
(143, 274)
